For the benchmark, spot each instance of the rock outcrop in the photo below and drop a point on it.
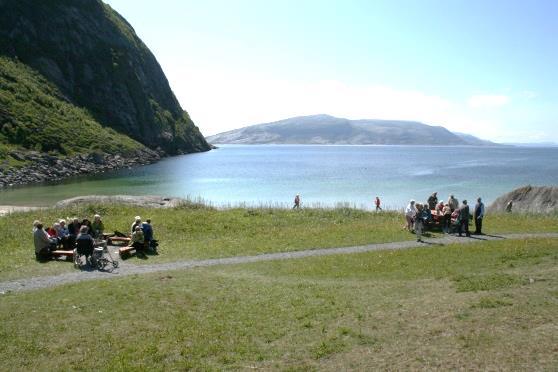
(150, 201)
(528, 199)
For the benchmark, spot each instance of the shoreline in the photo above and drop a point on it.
(7, 209)
(45, 169)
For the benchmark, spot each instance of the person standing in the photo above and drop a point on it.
(509, 206)
(432, 201)
(419, 221)
(296, 202)
(453, 203)
(378, 202)
(464, 219)
(410, 214)
(478, 215)
(447, 218)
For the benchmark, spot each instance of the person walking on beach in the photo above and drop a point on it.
(464, 219)
(378, 202)
(478, 215)
(296, 202)
(410, 214)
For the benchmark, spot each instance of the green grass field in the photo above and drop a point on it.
(196, 231)
(483, 306)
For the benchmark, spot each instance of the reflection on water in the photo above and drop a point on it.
(323, 175)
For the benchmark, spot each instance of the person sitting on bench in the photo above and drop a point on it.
(97, 227)
(137, 222)
(137, 240)
(147, 229)
(84, 242)
(43, 244)
(64, 235)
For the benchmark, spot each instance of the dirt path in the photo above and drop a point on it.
(127, 268)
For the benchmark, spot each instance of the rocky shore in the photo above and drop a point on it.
(47, 168)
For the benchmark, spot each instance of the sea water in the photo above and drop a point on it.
(323, 175)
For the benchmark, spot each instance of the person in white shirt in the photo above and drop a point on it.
(410, 214)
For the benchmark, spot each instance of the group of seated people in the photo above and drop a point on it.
(66, 237)
(141, 237)
(83, 234)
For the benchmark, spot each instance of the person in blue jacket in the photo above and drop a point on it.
(478, 215)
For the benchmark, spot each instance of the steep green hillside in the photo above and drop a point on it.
(35, 116)
(96, 61)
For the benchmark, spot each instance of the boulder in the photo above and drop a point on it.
(528, 199)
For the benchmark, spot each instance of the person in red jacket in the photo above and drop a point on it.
(378, 202)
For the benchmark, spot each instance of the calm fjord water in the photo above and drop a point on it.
(325, 175)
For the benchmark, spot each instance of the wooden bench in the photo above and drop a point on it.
(117, 239)
(125, 250)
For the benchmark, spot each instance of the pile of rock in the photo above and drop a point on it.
(48, 168)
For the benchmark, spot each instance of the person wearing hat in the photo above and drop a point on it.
(478, 215)
(464, 219)
(137, 222)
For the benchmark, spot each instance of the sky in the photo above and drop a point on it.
(487, 68)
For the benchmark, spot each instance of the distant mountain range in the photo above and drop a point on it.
(326, 129)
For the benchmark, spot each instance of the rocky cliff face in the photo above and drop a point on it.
(529, 199)
(98, 63)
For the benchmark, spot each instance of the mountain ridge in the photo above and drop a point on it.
(327, 129)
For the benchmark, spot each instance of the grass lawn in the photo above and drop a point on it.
(483, 306)
(195, 231)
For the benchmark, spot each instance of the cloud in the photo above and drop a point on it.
(529, 94)
(488, 101)
(218, 101)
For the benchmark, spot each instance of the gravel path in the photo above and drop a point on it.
(126, 268)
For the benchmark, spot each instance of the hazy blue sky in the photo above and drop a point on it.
(489, 68)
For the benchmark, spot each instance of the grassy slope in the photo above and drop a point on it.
(196, 232)
(35, 116)
(455, 307)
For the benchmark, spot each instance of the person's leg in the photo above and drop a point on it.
(480, 225)
(466, 225)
